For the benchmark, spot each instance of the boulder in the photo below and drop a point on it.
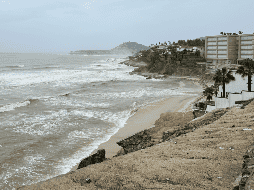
(98, 157)
(121, 152)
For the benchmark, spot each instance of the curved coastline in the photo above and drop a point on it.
(151, 112)
(145, 118)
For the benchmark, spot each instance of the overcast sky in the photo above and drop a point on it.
(70, 25)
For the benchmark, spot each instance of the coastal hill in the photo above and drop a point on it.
(127, 48)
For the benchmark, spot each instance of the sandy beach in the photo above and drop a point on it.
(144, 118)
(209, 156)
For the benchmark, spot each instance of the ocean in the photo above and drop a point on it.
(56, 109)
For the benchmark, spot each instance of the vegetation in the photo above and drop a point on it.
(216, 88)
(208, 92)
(196, 42)
(170, 62)
(247, 69)
(223, 77)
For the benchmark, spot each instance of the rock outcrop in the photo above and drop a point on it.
(170, 128)
(98, 157)
(247, 176)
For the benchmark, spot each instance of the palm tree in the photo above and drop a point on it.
(221, 33)
(247, 69)
(208, 92)
(166, 54)
(216, 88)
(240, 32)
(223, 76)
(197, 53)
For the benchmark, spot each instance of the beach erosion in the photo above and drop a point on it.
(181, 153)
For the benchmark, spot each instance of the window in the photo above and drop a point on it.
(211, 47)
(246, 42)
(247, 37)
(212, 52)
(222, 52)
(246, 56)
(247, 47)
(211, 39)
(222, 38)
(211, 43)
(222, 43)
(222, 47)
(211, 56)
(222, 56)
(247, 52)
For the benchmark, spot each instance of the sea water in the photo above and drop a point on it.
(56, 109)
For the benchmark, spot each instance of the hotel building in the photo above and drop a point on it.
(229, 49)
(246, 47)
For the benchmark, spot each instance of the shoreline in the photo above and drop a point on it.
(144, 118)
(128, 130)
(151, 113)
(208, 155)
(204, 155)
(140, 65)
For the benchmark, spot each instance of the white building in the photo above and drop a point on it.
(238, 85)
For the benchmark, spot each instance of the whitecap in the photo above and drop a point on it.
(12, 106)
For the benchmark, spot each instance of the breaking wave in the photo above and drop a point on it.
(13, 106)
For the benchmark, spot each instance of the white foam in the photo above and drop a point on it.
(119, 119)
(26, 172)
(66, 77)
(11, 107)
(140, 93)
(79, 134)
(41, 124)
(102, 105)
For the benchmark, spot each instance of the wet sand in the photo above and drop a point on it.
(145, 118)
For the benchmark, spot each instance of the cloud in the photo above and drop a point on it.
(29, 11)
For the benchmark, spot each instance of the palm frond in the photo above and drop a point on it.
(242, 71)
(224, 70)
(229, 77)
(218, 76)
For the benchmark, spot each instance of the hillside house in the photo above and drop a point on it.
(162, 47)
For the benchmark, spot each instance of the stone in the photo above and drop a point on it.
(93, 159)
(120, 152)
(88, 180)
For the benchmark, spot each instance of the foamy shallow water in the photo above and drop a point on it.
(56, 109)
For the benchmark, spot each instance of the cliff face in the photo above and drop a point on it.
(93, 159)
(169, 126)
(153, 136)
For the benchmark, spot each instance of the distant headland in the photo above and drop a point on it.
(127, 48)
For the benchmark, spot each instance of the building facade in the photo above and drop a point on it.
(229, 49)
(246, 47)
(221, 49)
